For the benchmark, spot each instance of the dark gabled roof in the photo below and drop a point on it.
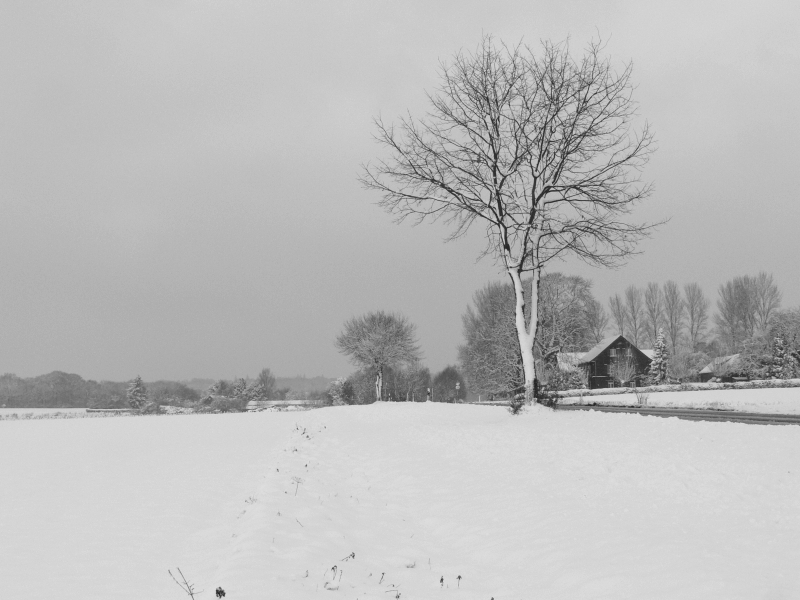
(603, 345)
(597, 350)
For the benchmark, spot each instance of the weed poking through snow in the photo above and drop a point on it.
(516, 404)
(641, 397)
(185, 586)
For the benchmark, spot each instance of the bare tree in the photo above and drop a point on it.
(634, 312)
(767, 299)
(727, 318)
(267, 382)
(696, 312)
(539, 149)
(617, 307)
(653, 311)
(623, 369)
(379, 340)
(674, 313)
(563, 327)
(569, 320)
(736, 312)
(411, 381)
(489, 358)
(596, 321)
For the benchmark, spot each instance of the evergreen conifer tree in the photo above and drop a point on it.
(783, 364)
(657, 373)
(137, 393)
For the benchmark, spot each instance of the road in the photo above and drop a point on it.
(689, 414)
(695, 414)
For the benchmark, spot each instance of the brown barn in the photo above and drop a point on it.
(615, 361)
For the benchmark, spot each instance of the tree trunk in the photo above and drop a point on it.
(379, 384)
(526, 333)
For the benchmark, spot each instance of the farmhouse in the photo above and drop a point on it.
(724, 367)
(615, 361)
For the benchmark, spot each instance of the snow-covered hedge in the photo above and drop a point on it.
(683, 387)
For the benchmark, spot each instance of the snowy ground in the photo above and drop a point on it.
(5, 412)
(546, 505)
(784, 401)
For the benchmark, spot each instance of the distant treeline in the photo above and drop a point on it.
(67, 390)
(299, 383)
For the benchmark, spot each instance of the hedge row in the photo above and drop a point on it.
(683, 387)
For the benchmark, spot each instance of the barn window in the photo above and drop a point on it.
(612, 353)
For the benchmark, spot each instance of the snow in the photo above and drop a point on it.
(546, 505)
(7, 412)
(784, 401)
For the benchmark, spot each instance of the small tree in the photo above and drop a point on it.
(221, 388)
(239, 388)
(490, 358)
(340, 392)
(137, 394)
(782, 365)
(267, 381)
(622, 369)
(657, 371)
(379, 340)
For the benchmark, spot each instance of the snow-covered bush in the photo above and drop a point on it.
(222, 404)
(560, 380)
(340, 392)
(516, 403)
(239, 388)
(150, 408)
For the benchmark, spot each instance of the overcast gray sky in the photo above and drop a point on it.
(178, 186)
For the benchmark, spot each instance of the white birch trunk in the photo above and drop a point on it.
(526, 333)
(379, 384)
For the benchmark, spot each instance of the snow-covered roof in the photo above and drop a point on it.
(722, 363)
(598, 349)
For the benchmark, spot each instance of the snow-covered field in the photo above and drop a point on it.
(784, 401)
(545, 505)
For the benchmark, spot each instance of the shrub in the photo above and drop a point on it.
(150, 408)
(340, 392)
(229, 404)
(516, 403)
(559, 381)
